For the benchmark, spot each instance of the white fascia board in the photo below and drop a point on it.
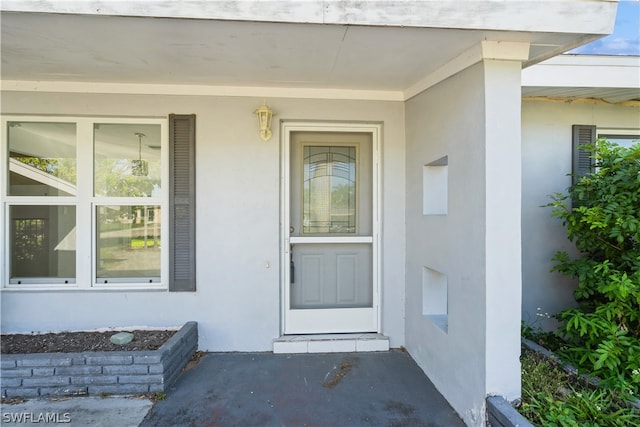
(594, 60)
(593, 17)
(199, 90)
(585, 71)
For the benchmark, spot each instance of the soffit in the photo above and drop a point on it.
(613, 79)
(611, 95)
(169, 51)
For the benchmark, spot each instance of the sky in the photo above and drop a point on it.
(625, 39)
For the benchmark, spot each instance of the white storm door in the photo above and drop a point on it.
(330, 256)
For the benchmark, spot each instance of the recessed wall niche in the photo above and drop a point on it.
(435, 298)
(435, 187)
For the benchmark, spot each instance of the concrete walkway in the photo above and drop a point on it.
(76, 412)
(340, 389)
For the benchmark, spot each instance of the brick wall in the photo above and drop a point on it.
(95, 373)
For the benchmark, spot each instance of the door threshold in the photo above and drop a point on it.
(330, 343)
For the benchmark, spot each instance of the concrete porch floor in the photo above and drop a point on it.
(337, 389)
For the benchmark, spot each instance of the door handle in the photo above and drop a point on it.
(292, 267)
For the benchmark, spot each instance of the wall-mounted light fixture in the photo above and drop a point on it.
(139, 167)
(264, 121)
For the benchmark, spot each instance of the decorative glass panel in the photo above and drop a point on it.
(42, 159)
(42, 243)
(127, 160)
(329, 192)
(128, 243)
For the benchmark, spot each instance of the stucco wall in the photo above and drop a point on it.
(467, 118)
(546, 161)
(451, 244)
(237, 304)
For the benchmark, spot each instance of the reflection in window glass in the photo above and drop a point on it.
(622, 140)
(42, 243)
(128, 243)
(127, 160)
(42, 159)
(329, 193)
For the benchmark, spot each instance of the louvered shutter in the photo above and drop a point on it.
(582, 161)
(182, 206)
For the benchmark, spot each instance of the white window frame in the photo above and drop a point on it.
(85, 203)
(608, 132)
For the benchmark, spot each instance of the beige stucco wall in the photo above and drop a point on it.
(237, 304)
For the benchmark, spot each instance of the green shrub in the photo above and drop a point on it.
(603, 332)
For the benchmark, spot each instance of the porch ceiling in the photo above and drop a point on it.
(168, 51)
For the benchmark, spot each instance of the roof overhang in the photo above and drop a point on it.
(338, 49)
(584, 78)
(565, 16)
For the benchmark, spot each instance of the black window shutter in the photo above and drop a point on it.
(582, 161)
(182, 203)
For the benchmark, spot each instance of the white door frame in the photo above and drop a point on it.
(286, 129)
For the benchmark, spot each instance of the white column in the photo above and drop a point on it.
(503, 217)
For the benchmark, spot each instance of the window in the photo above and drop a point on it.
(127, 186)
(42, 159)
(587, 134)
(128, 243)
(42, 243)
(86, 202)
(622, 140)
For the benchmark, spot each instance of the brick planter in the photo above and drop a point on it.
(500, 413)
(95, 373)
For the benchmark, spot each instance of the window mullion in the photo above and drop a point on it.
(84, 223)
(164, 225)
(4, 182)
